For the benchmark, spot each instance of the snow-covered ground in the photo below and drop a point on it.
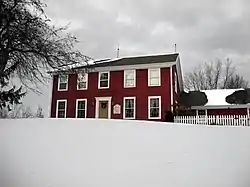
(104, 153)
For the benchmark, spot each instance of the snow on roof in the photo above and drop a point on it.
(119, 153)
(218, 97)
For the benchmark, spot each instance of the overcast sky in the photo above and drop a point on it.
(203, 30)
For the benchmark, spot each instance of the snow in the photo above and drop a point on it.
(116, 153)
(218, 97)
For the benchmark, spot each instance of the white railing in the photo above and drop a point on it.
(230, 120)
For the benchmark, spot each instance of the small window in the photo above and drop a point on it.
(61, 109)
(129, 78)
(201, 112)
(154, 103)
(154, 77)
(81, 108)
(104, 80)
(63, 82)
(129, 108)
(82, 81)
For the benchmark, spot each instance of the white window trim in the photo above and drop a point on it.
(77, 100)
(65, 113)
(124, 82)
(197, 112)
(154, 97)
(149, 75)
(99, 79)
(58, 84)
(87, 79)
(124, 107)
(98, 99)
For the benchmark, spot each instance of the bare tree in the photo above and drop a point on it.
(39, 112)
(29, 46)
(214, 75)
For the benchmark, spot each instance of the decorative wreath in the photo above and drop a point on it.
(104, 105)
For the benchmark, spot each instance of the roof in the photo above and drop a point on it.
(136, 60)
(218, 97)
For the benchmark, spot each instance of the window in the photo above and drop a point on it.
(82, 81)
(201, 112)
(154, 77)
(129, 78)
(129, 108)
(103, 80)
(61, 108)
(154, 107)
(81, 108)
(63, 82)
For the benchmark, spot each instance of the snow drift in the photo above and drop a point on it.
(112, 153)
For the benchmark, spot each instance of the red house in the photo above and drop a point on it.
(141, 88)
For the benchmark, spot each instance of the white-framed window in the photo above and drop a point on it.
(63, 82)
(61, 108)
(129, 106)
(82, 81)
(103, 81)
(201, 112)
(129, 78)
(81, 108)
(154, 107)
(154, 77)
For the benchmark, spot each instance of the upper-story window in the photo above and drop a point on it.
(82, 81)
(103, 80)
(63, 82)
(154, 77)
(129, 78)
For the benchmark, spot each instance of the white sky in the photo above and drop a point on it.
(202, 30)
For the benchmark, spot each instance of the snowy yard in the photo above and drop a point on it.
(104, 153)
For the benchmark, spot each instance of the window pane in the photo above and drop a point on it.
(201, 112)
(154, 112)
(63, 86)
(82, 77)
(82, 85)
(154, 102)
(81, 104)
(129, 74)
(129, 113)
(154, 81)
(61, 114)
(154, 73)
(129, 103)
(81, 114)
(129, 82)
(104, 84)
(61, 105)
(63, 78)
(104, 76)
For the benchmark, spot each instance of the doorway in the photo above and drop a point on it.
(103, 107)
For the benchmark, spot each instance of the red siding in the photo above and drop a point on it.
(116, 91)
(227, 111)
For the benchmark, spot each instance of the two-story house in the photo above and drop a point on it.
(141, 88)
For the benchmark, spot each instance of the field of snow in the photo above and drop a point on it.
(104, 153)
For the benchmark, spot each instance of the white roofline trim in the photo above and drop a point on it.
(220, 107)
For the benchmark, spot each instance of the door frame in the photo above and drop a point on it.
(98, 99)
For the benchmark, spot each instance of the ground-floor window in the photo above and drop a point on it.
(81, 108)
(61, 108)
(129, 108)
(201, 112)
(154, 107)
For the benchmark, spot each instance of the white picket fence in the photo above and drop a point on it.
(232, 120)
